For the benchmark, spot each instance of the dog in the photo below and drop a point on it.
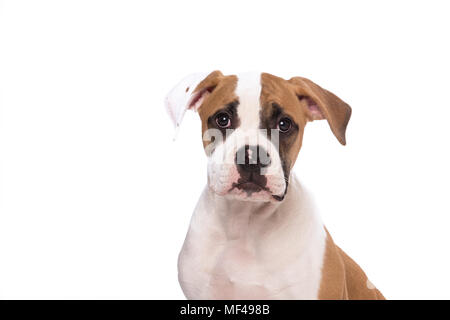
(255, 233)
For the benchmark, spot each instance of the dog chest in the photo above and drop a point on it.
(236, 271)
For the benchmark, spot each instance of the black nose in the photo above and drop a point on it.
(252, 158)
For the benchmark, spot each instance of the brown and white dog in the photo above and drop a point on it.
(255, 233)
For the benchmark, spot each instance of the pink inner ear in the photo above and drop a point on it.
(313, 108)
(198, 99)
(316, 114)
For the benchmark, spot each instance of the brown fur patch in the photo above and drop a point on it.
(336, 111)
(279, 91)
(294, 96)
(221, 93)
(343, 278)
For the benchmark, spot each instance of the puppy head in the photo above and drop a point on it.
(252, 127)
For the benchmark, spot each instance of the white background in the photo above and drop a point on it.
(96, 198)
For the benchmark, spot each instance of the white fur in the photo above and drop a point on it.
(248, 90)
(238, 249)
(179, 98)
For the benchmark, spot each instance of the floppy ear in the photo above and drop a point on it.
(190, 93)
(322, 104)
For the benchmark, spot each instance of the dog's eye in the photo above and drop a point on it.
(284, 125)
(223, 120)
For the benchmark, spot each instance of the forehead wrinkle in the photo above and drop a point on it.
(248, 91)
